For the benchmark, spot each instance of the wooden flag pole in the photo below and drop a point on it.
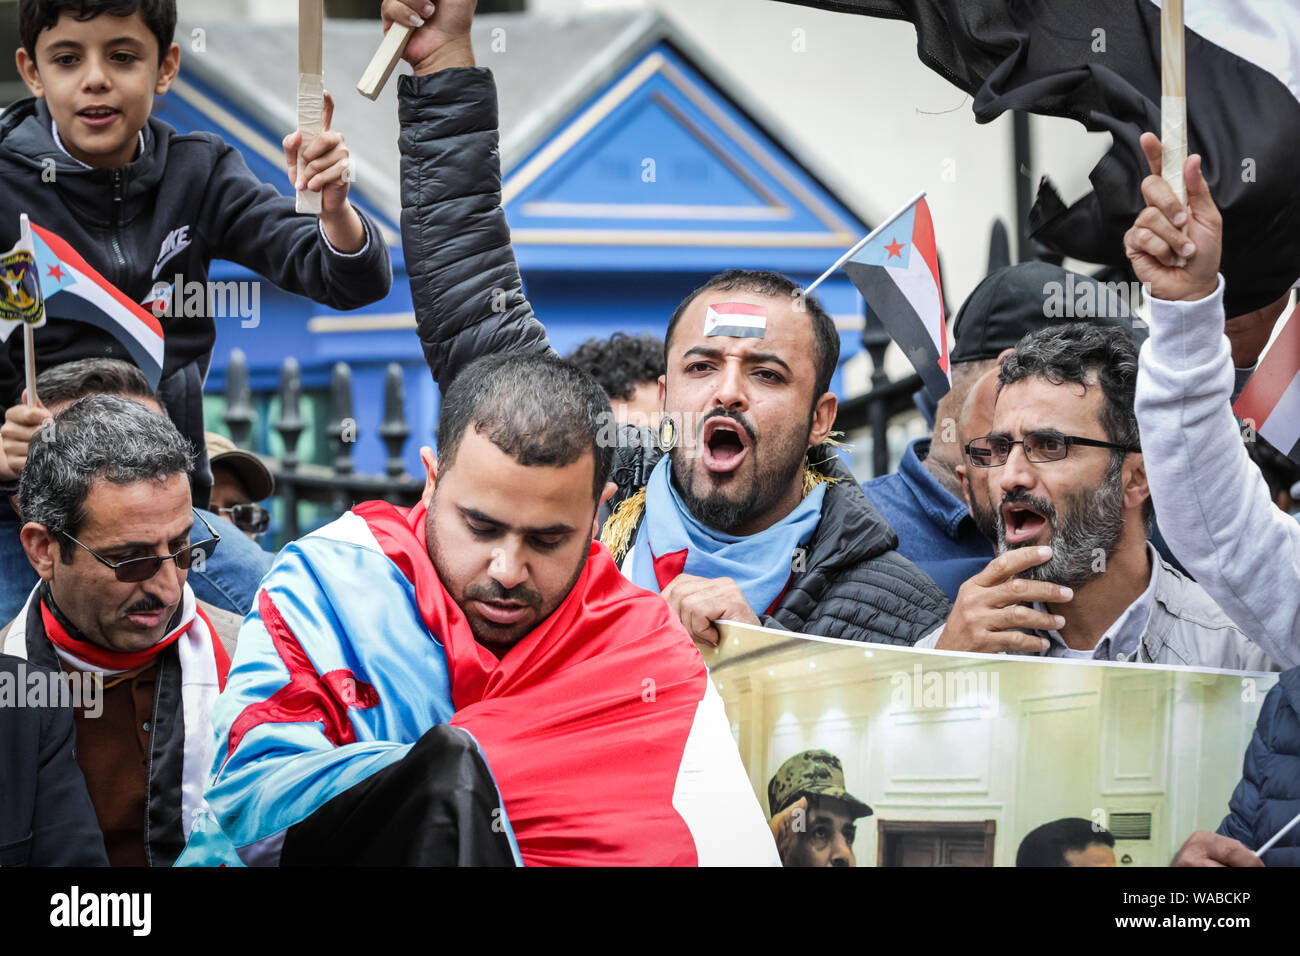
(1173, 97)
(29, 337)
(311, 89)
(385, 59)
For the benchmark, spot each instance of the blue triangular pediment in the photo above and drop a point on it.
(660, 161)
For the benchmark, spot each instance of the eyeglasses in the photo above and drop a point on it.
(251, 519)
(136, 570)
(992, 451)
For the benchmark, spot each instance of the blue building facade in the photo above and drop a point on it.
(644, 176)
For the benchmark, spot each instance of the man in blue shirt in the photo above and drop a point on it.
(923, 500)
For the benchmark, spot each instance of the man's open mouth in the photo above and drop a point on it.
(725, 444)
(1022, 523)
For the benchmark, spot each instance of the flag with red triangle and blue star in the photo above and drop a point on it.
(897, 272)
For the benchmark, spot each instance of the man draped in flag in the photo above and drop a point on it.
(472, 681)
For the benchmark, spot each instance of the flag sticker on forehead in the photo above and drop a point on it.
(737, 319)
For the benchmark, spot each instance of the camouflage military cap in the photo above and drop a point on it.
(812, 773)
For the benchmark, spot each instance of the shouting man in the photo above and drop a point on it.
(1076, 576)
(750, 516)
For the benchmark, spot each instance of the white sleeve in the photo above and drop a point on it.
(1213, 505)
(713, 795)
(931, 639)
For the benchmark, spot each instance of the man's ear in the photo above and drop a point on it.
(610, 489)
(41, 548)
(823, 419)
(1136, 489)
(960, 471)
(663, 388)
(430, 462)
(27, 70)
(167, 70)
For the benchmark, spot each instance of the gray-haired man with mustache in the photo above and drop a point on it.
(1075, 576)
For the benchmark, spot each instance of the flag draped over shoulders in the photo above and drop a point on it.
(601, 732)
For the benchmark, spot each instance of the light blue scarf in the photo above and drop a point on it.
(672, 541)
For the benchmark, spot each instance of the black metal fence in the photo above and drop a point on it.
(337, 486)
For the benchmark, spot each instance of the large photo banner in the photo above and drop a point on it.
(950, 759)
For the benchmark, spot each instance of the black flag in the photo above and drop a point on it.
(1099, 63)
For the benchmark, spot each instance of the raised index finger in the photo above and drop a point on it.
(1150, 144)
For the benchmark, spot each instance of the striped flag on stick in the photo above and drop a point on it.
(1270, 402)
(74, 291)
(896, 268)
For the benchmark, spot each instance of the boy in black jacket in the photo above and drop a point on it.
(143, 204)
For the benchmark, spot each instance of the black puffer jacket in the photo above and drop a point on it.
(185, 200)
(469, 302)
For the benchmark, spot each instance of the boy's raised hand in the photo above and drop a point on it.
(441, 32)
(1175, 250)
(327, 170)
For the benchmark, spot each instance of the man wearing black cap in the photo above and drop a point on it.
(923, 501)
(812, 813)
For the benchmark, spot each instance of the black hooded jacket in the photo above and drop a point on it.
(469, 302)
(184, 201)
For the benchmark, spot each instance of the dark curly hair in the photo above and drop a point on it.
(1076, 353)
(621, 362)
(1088, 355)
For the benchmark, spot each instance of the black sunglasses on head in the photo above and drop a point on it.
(135, 570)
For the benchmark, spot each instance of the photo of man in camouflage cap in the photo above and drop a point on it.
(812, 813)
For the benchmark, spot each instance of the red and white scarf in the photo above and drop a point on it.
(204, 666)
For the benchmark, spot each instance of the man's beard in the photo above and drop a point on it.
(497, 639)
(714, 507)
(1093, 524)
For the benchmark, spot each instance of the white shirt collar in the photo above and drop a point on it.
(54, 131)
(1122, 638)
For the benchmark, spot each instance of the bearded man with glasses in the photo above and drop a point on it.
(110, 530)
(1075, 576)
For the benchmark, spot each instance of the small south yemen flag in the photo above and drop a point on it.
(736, 318)
(75, 291)
(1270, 402)
(897, 272)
